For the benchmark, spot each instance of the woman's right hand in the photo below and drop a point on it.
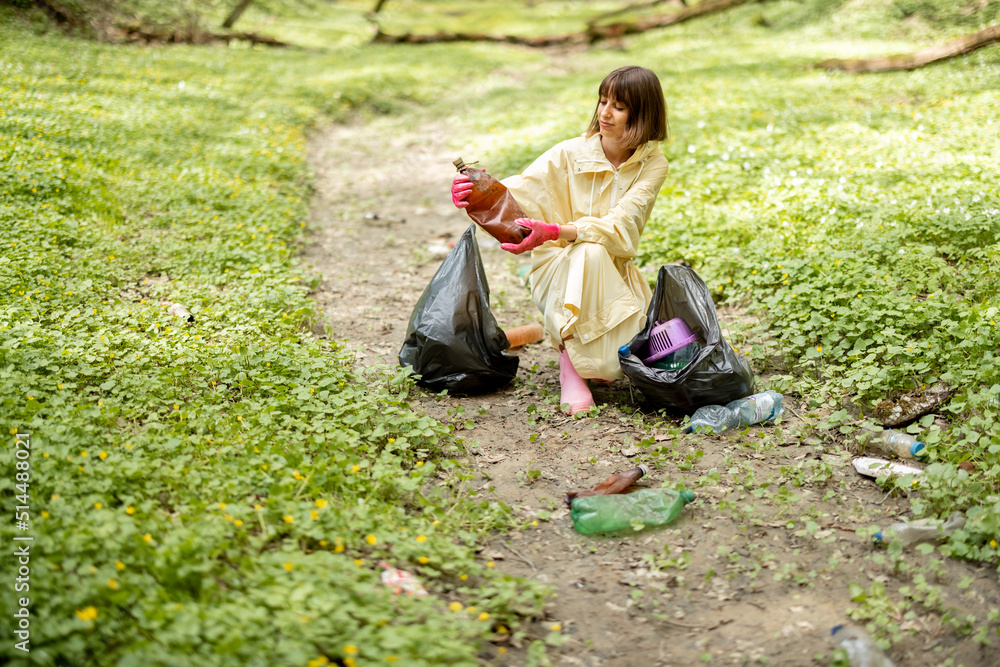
(461, 186)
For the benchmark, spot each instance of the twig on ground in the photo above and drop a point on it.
(518, 554)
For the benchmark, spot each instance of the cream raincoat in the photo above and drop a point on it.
(592, 298)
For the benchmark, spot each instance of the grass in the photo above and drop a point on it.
(217, 491)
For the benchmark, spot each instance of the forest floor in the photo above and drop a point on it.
(758, 569)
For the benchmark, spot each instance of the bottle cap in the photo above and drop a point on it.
(459, 164)
(687, 495)
(644, 468)
(917, 448)
(877, 537)
(624, 351)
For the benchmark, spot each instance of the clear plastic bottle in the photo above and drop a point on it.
(650, 507)
(625, 352)
(920, 530)
(616, 483)
(892, 443)
(862, 650)
(755, 409)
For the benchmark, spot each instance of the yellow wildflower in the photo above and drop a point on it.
(86, 614)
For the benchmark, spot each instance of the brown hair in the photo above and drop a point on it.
(639, 90)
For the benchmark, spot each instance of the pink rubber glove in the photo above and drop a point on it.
(461, 186)
(540, 233)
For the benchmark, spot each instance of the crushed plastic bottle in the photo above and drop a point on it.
(178, 310)
(875, 467)
(920, 530)
(862, 650)
(755, 409)
(650, 507)
(616, 483)
(401, 581)
(892, 443)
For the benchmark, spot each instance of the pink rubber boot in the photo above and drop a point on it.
(574, 388)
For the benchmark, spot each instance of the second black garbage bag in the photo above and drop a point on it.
(716, 375)
(453, 341)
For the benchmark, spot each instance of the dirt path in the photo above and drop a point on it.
(758, 567)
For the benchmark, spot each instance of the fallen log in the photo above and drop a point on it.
(593, 33)
(615, 30)
(628, 8)
(908, 61)
(440, 37)
(164, 36)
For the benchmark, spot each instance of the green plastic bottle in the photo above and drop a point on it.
(650, 507)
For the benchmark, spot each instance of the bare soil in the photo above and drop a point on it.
(757, 569)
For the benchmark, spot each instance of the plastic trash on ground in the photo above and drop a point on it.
(178, 310)
(616, 483)
(650, 507)
(862, 650)
(875, 467)
(920, 530)
(524, 334)
(755, 409)
(892, 443)
(401, 581)
(716, 375)
(452, 340)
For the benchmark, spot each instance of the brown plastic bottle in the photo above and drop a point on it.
(617, 483)
(492, 206)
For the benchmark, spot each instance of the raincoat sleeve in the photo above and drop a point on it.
(619, 231)
(534, 191)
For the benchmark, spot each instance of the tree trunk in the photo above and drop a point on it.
(591, 34)
(627, 8)
(235, 15)
(613, 30)
(933, 54)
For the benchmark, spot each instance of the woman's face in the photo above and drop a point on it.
(613, 117)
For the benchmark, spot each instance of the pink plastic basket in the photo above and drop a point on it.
(668, 337)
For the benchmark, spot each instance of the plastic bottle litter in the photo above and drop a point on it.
(920, 530)
(625, 352)
(892, 443)
(616, 483)
(874, 467)
(755, 409)
(650, 507)
(492, 206)
(522, 335)
(177, 310)
(401, 581)
(862, 650)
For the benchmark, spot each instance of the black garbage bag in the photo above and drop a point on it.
(716, 376)
(453, 341)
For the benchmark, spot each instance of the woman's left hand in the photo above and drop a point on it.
(541, 232)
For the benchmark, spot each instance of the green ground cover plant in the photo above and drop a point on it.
(191, 483)
(217, 491)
